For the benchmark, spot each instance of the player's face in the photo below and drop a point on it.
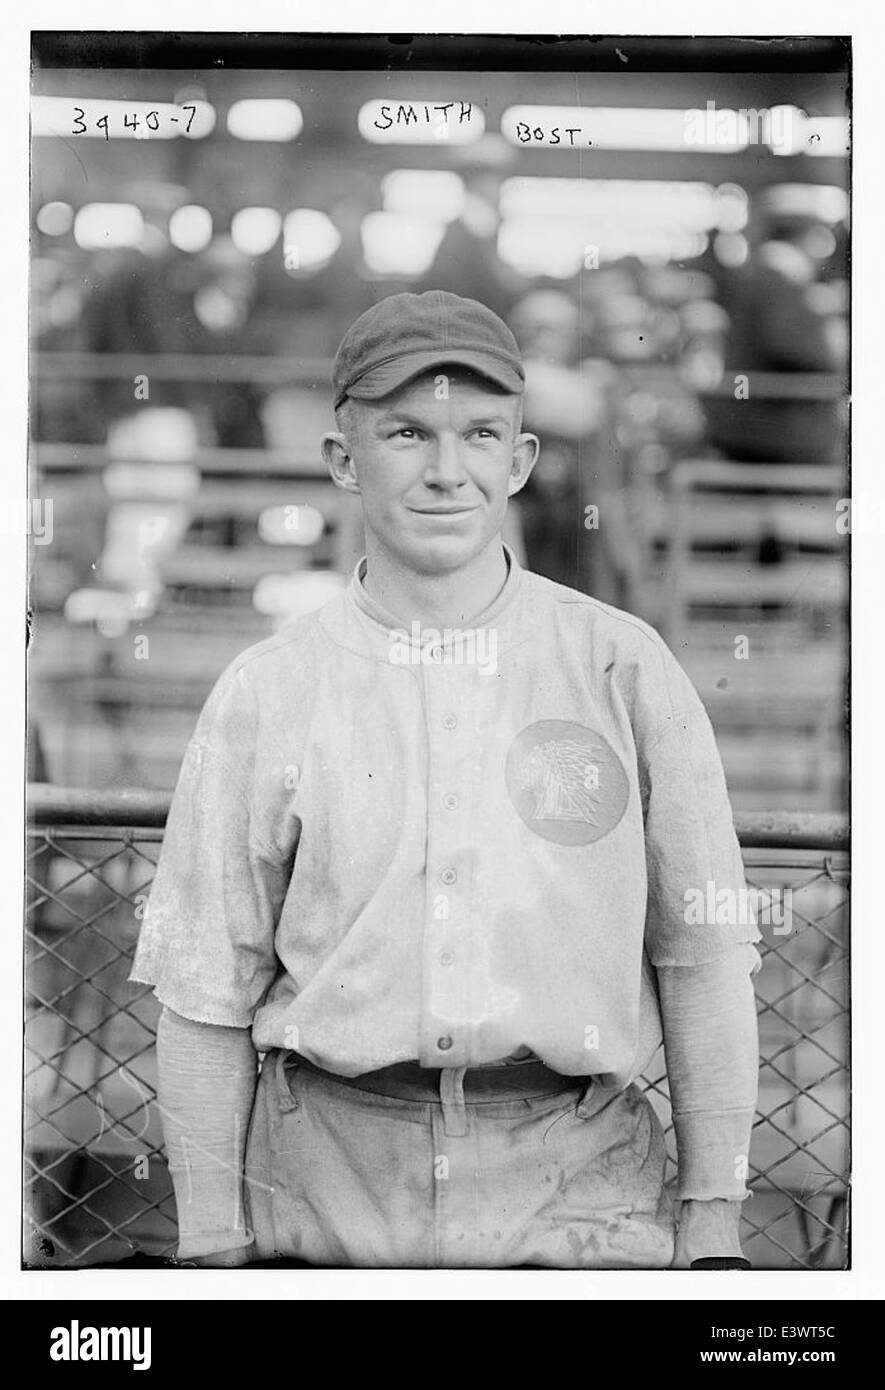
(435, 463)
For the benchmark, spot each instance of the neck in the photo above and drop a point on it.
(436, 600)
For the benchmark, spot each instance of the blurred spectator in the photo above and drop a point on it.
(786, 317)
(305, 310)
(467, 260)
(567, 403)
(178, 303)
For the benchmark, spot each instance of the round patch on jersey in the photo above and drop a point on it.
(566, 782)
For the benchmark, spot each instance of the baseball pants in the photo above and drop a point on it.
(445, 1174)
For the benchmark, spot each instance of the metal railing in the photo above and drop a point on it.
(96, 1185)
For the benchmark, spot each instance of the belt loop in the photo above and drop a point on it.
(285, 1099)
(451, 1095)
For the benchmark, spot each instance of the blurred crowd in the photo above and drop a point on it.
(634, 361)
(772, 298)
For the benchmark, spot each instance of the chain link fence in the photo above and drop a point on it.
(97, 1190)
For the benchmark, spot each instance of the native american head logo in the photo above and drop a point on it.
(566, 782)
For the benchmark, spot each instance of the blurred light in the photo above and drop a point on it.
(106, 225)
(660, 251)
(95, 118)
(144, 603)
(218, 309)
(704, 318)
(430, 122)
(702, 368)
(65, 306)
(154, 434)
(437, 194)
(550, 225)
(292, 595)
(394, 244)
(310, 239)
(557, 247)
(827, 135)
(153, 532)
(828, 202)
(55, 219)
(814, 135)
(108, 609)
(166, 482)
(291, 525)
(266, 118)
(734, 207)
(622, 128)
(684, 204)
(190, 227)
(730, 249)
(532, 246)
(255, 230)
(820, 242)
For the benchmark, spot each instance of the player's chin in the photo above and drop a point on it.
(447, 552)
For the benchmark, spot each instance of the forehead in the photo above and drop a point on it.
(449, 385)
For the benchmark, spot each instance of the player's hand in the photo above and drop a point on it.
(709, 1231)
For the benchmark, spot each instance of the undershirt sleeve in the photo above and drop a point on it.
(207, 1076)
(712, 1050)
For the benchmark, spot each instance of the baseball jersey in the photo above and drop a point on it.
(389, 843)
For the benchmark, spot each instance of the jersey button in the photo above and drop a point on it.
(444, 1043)
(449, 721)
(446, 958)
(450, 802)
(449, 876)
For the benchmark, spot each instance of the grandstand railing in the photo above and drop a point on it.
(265, 368)
(260, 368)
(96, 1186)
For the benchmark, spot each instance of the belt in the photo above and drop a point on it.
(523, 1080)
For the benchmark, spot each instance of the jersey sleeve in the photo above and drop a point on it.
(207, 941)
(698, 905)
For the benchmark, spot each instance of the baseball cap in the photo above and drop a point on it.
(407, 334)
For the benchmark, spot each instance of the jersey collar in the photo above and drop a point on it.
(374, 610)
(357, 621)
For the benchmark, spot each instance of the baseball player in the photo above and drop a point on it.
(429, 857)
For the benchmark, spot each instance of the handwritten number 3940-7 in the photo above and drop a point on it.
(151, 120)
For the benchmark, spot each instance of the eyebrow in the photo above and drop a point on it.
(388, 417)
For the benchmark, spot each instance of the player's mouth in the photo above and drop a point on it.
(442, 511)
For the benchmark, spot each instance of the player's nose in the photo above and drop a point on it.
(445, 462)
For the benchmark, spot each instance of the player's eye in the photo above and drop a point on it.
(486, 432)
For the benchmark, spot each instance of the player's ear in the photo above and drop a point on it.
(526, 449)
(338, 458)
